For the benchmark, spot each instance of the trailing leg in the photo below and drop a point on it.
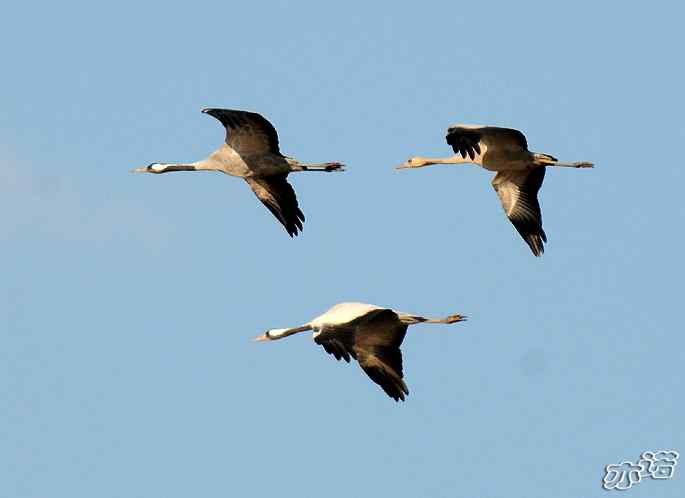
(412, 319)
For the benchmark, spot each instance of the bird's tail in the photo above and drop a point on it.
(547, 160)
(319, 167)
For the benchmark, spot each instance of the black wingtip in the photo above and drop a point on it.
(293, 231)
(397, 391)
(535, 242)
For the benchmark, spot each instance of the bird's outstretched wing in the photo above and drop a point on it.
(377, 347)
(518, 193)
(470, 140)
(339, 340)
(248, 133)
(279, 197)
(338, 343)
(374, 341)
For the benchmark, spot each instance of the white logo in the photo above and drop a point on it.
(653, 464)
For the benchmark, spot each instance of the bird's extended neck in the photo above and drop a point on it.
(420, 161)
(168, 167)
(455, 159)
(275, 334)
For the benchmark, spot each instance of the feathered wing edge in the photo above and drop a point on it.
(279, 197)
(249, 129)
(518, 193)
(467, 139)
(374, 341)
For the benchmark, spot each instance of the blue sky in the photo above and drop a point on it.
(127, 302)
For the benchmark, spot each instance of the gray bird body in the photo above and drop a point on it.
(227, 160)
(370, 334)
(251, 152)
(519, 177)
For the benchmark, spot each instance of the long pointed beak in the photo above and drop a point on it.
(142, 169)
(406, 165)
(261, 338)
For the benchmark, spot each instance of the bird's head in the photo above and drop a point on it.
(150, 168)
(413, 162)
(270, 335)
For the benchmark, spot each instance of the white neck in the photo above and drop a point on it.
(166, 167)
(275, 334)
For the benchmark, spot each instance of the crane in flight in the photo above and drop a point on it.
(251, 152)
(519, 172)
(370, 334)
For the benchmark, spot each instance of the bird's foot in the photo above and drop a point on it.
(456, 318)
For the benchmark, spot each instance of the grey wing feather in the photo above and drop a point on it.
(377, 347)
(467, 140)
(248, 133)
(518, 193)
(515, 137)
(337, 341)
(373, 340)
(279, 197)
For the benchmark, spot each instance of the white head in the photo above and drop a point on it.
(156, 167)
(271, 335)
(151, 168)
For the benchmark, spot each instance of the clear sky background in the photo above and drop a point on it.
(127, 302)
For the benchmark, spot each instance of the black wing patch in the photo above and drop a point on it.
(337, 347)
(467, 141)
(247, 132)
(464, 142)
(279, 197)
(518, 193)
